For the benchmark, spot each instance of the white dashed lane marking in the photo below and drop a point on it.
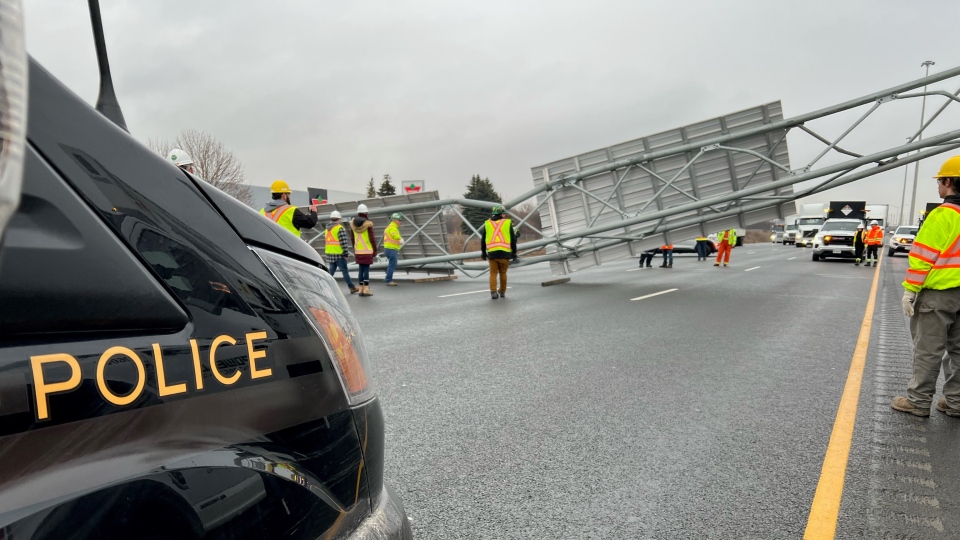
(654, 294)
(463, 293)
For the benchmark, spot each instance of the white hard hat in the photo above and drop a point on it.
(362, 209)
(874, 222)
(334, 215)
(179, 157)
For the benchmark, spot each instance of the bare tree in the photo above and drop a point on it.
(533, 224)
(453, 222)
(217, 165)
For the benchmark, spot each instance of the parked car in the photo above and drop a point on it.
(902, 240)
(835, 239)
(173, 365)
(688, 247)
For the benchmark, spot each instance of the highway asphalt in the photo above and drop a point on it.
(573, 411)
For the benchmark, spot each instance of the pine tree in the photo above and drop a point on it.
(480, 189)
(386, 188)
(371, 190)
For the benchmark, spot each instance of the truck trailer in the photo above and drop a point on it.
(878, 212)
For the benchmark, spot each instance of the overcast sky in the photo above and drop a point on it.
(328, 94)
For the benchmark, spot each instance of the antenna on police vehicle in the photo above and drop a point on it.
(107, 103)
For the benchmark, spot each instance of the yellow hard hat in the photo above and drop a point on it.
(950, 168)
(279, 186)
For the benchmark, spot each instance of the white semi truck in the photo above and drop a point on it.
(878, 212)
(810, 216)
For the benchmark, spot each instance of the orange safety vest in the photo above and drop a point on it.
(875, 236)
(668, 246)
(364, 245)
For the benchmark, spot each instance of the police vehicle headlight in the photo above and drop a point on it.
(319, 298)
(13, 107)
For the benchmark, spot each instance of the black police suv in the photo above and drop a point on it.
(172, 365)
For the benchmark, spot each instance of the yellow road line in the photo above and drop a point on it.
(822, 522)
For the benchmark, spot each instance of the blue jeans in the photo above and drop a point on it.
(392, 255)
(363, 275)
(702, 249)
(342, 265)
(667, 256)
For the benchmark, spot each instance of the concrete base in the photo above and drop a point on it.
(376, 277)
(554, 282)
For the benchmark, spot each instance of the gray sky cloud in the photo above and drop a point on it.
(328, 95)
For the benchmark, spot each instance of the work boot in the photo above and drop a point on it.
(874, 264)
(354, 290)
(391, 284)
(663, 266)
(670, 265)
(856, 262)
(363, 290)
(494, 295)
(725, 265)
(946, 409)
(716, 264)
(649, 266)
(367, 287)
(903, 404)
(503, 294)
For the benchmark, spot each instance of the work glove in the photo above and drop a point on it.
(908, 299)
(483, 257)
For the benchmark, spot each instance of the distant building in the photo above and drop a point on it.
(261, 194)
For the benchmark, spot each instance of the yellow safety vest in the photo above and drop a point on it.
(391, 236)
(732, 237)
(935, 255)
(283, 216)
(333, 240)
(363, 244)
(498, 235)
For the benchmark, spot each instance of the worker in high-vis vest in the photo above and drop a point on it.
(337, 249)
(932, 301)
(874, 241)
(859, 244)
(392, 242)
(364, 247)
(499, 246)
(280, 211)
(727, 239)
(703, 248)
(667, 250)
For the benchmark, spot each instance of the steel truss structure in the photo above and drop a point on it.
(610, 225)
